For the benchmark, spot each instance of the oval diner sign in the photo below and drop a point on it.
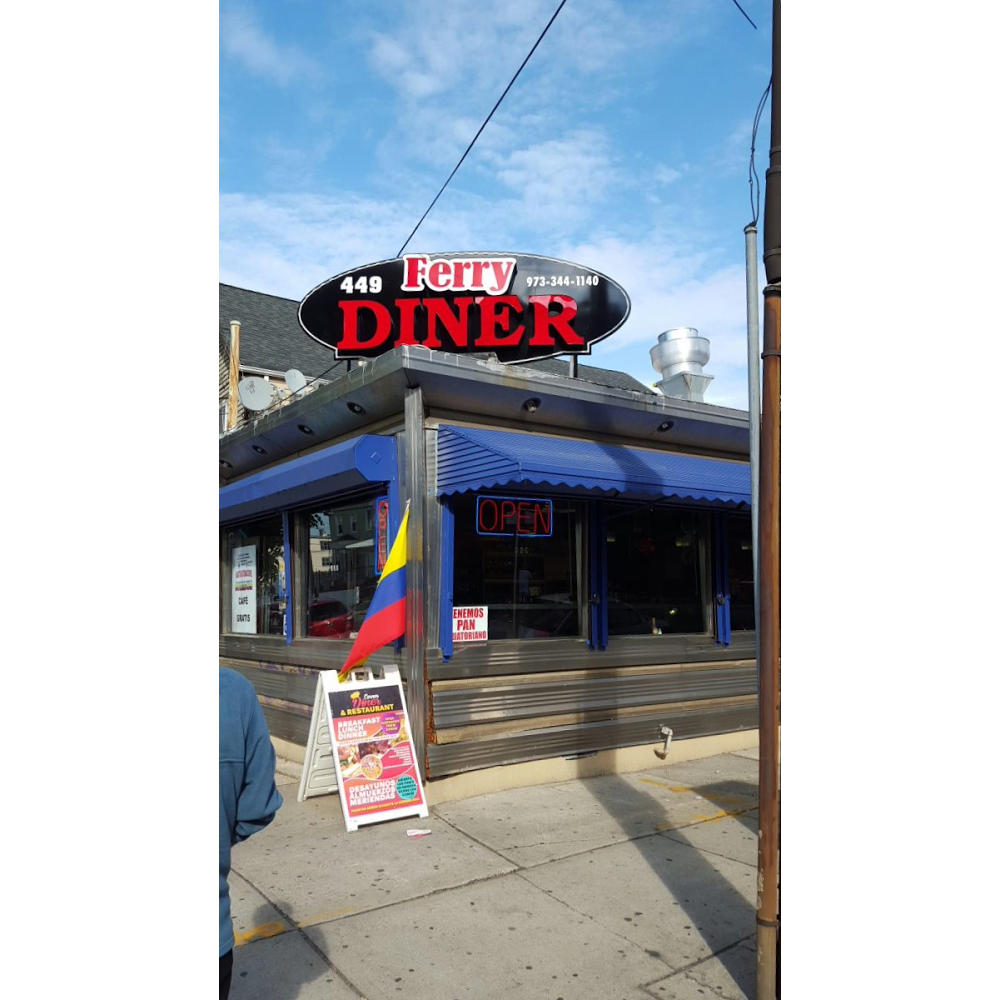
(519, 306)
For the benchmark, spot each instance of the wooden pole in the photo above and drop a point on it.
(770, 644)
(769, 539)
(234, 374)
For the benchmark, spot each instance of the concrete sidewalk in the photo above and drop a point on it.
(619, 887)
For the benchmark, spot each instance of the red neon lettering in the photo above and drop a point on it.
(514, 517)
(543, 516)
(508, 513)
(482, 510)
(526, 518)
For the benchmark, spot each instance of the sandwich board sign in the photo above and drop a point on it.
(371, 763)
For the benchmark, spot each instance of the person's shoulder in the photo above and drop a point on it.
(234, 685)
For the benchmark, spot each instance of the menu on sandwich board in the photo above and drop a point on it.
(378, 777)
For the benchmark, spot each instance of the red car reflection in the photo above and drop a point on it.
(330, 620)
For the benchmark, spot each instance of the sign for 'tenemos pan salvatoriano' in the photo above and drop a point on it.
(520, 307)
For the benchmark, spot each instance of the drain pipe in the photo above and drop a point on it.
(666, 734)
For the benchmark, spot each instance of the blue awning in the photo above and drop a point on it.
(474, 459)
(370, 458)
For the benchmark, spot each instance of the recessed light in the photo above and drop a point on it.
(665, 426)
(531, 404)
(224, 463)
(356, 408)
(260, 451)
(306, 429)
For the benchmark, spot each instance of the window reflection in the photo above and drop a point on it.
(528, 582)
(656, 570)
(340, 572)
(258, 586)
(741, 606)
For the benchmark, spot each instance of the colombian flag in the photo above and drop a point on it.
(386, 618)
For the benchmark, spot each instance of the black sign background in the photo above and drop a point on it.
(602, 306)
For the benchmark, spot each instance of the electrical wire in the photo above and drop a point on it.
(340, 361)
(753, 172)
(481, 127)
(746, 15)
(754, 179)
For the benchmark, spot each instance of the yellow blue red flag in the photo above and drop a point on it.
(386, 617)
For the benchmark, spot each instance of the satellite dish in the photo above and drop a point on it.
(255, 392)
(295, 380)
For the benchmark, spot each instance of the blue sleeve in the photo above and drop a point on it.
(259, 799)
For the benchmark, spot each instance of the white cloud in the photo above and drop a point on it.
(245, 41)
(550, 175)
(663, 174)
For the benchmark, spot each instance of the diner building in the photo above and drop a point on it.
(579, 571)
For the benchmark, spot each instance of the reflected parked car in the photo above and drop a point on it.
(330, 620)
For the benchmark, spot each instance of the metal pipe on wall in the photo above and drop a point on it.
(414, 489)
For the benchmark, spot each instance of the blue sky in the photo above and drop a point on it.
(624, 146)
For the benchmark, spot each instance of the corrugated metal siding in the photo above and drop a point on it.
(534, 656)
(528, 698)
(560, 741)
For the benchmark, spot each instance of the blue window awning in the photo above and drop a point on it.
(370, 458)
(475, 459)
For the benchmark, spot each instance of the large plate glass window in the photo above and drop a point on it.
(340, 572)
(657, 559)
(255, 599)
(519, 557)
(740, 547)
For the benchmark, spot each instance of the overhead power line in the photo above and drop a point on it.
(745, 14)
(481, 127)
(754, 179)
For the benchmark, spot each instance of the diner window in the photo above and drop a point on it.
(739, 533)
(340, 570)
(657, 563)
(257, 587)
(520, 558)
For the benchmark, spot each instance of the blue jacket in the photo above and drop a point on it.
(248, 798)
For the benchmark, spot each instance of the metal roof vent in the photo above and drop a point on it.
(679, 356)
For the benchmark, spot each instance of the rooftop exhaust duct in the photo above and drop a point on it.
(679, 356)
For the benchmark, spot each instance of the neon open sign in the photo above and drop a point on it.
(513, 516)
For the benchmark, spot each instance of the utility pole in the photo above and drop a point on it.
(768, 874)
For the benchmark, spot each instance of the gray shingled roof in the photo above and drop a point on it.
(270, 335)
(271, 339)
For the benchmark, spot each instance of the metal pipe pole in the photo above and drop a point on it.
(753, 396)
